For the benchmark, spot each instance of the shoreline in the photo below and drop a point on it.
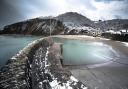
(22, 65)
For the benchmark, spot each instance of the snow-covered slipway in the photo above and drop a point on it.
(38, 66)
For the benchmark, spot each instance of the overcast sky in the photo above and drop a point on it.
(17, 10)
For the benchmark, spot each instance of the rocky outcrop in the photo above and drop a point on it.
(37, 66)
(37, 26)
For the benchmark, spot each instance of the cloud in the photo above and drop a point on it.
(107, 1)
(9, 14)
(93, 9)
(112, 9)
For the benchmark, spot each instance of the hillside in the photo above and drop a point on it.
(115, 24)
(76, 23)
(37, 26)
(74, 19)
(67, 23)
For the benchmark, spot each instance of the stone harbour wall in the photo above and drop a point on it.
(38, 66)
(16, 73)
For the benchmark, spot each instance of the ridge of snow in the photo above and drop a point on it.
(125, 43)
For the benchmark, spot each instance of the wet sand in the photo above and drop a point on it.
(110, 75)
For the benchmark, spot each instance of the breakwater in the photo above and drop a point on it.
(37, 66)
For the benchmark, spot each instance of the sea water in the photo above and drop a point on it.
(86, 53)
(11, 44)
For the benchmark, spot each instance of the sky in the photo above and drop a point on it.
(12, 11)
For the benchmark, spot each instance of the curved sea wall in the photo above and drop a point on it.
(15, 74)
(38, 66)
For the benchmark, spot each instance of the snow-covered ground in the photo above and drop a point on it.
(103, 38)
(125, 43)
(74, 36)
(56, 85)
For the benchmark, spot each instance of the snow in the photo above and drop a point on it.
(81, 36)
(73, 79)
(40, 85)
(111, 31)
(80, 28)
(123, 30)
(98, 43)
(125, 43)
(46, 60)
(118, 32)
(83, 87)
(104, 38)
(56, 85)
